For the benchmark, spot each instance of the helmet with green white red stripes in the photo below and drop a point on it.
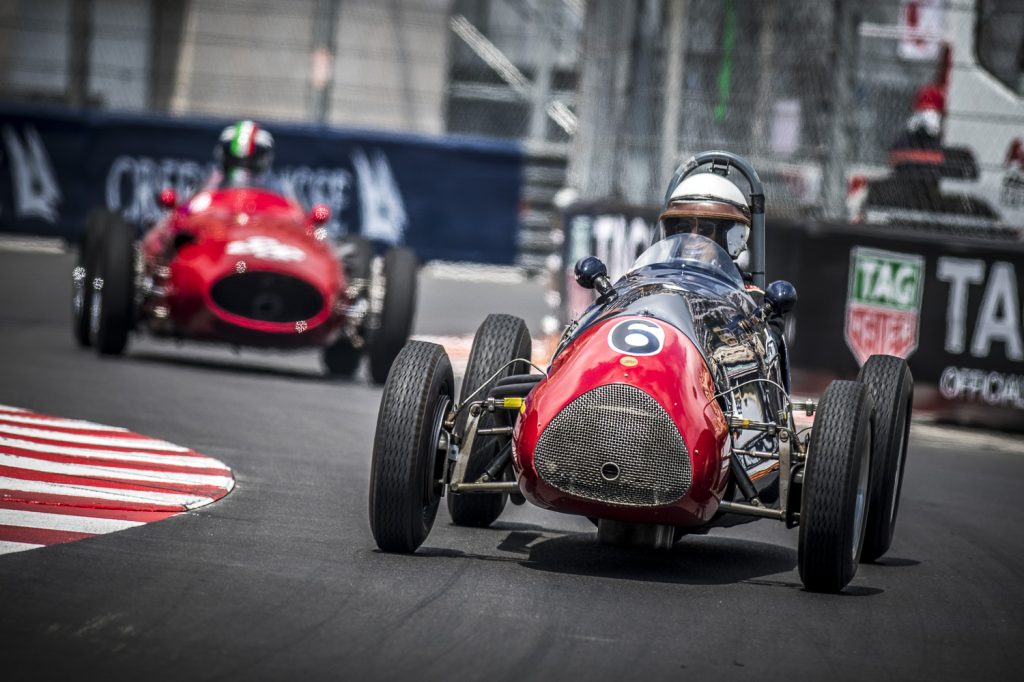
(245, 145)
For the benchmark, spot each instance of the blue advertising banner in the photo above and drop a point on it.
(447, 198)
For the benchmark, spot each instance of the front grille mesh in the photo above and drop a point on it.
(267, 296)
(624, 426)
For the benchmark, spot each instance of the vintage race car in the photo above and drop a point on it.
(666, 406)
(248, 267)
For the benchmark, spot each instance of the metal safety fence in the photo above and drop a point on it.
(901, 112)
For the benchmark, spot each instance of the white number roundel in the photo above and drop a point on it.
(637, 337)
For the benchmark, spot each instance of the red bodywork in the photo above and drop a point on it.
(219, 234)
(677, 378)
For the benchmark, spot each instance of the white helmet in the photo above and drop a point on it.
(707, 204)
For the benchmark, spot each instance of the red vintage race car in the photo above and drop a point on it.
(665, 407)
(248, 267)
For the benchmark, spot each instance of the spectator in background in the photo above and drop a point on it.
(921, 142)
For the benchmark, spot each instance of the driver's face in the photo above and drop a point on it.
(705, 227)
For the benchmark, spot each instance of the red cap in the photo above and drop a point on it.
(930, 97)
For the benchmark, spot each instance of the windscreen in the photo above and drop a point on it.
(690, 252)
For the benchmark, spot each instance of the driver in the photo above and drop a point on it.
(244, 153)
(709, 205)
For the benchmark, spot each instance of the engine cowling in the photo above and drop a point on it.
(625, 427)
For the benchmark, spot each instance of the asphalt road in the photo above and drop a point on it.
(281, 579)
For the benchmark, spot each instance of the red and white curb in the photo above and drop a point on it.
(63, 480)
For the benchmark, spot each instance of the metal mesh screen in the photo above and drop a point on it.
(827, 98)
(615, 444)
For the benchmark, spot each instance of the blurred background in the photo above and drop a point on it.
(617, 93)
(527, 133)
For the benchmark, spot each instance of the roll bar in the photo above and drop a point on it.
(720, 162)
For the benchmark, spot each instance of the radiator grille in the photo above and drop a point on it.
(267, 296)
(615, 444)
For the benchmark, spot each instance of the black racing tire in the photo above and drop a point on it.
(892, 388)
(836, 484)
(341, 358)
(112, 313)
(499, 340)
(406, 476)
(397, 311)
(84, 272)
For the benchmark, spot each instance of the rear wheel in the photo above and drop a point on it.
(83, 275)
(499, 341)
(833, 509)
(892, 387)
(112, 308)
(341, 358)
(397, 310)
(356, 254)
(407, 473)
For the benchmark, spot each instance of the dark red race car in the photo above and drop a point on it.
(248, 267)
(666, 407)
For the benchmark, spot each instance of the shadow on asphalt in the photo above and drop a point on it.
(895, 562)
(691, 561)
(694, 560)
(700, 560)
(240, 367)
(707, 560)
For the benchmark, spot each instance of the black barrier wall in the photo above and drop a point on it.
(951, 306)
(447, 198)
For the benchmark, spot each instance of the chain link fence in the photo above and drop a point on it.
(829, 99)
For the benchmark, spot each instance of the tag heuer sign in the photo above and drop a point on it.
(883, 303)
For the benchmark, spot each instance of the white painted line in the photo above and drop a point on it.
(11, 547)
(28, 244)
(138, 496)
(100, 471)
(474, 272)
(968, 440)
(79, 424)
(143, 443)
(11, 408)
(140, 457)
(75, 524)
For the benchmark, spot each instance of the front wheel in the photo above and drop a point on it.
(397, 309)
(833, 509)
(892, 388)
(407, 473)
(83, 275)
(112, 308)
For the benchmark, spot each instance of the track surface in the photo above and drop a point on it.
(281, 580)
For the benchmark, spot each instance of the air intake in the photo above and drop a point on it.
(615, 444)
(267, 297)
